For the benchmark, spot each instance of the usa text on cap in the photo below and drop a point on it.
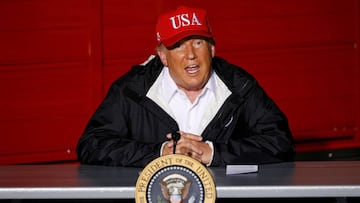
(175, 25)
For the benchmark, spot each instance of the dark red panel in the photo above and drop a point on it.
(58, 58)
(45, 79)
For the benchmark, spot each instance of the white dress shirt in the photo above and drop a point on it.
(191, 117)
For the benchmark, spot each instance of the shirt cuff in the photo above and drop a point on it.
(211, 145)
(162, 147)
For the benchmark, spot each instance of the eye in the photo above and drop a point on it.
(198, 42)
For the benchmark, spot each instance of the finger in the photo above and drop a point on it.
(196, 151)
(195, 156)
(167, 150)
(168, 136)
(169, 144)
(194, 148)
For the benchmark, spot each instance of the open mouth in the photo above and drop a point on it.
(192, 69)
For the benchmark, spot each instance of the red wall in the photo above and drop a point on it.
(58, 57)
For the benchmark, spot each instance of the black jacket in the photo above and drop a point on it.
(128, 128)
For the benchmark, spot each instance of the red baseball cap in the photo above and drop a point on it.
(175, 25)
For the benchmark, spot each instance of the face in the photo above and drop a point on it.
(189, 62)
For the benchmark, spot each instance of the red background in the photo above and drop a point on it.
(58, 58)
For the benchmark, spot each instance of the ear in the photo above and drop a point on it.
(212, 51)
(162, 56)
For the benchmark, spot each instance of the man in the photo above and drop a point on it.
(219, 111)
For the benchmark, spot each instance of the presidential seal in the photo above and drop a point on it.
(175, 178)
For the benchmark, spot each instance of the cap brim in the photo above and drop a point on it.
(187, 33)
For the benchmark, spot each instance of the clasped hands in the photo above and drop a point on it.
(190, 145)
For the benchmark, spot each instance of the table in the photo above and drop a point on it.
(280, 180)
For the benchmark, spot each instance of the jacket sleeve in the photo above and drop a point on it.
(106, 139)
(260, 132)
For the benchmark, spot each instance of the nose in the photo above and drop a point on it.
(190, 51)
